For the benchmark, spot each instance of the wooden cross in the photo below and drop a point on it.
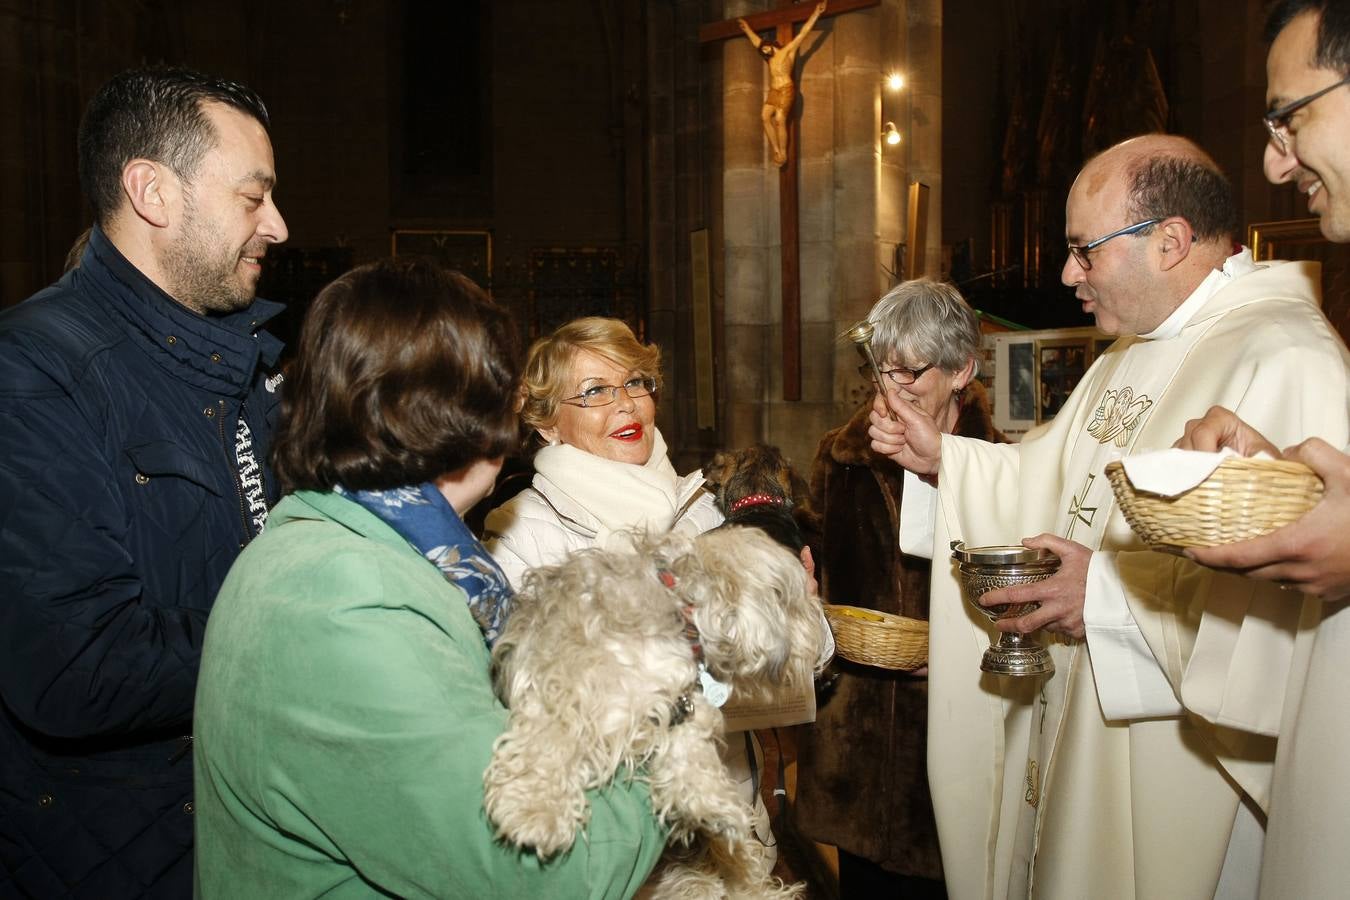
(784, 20)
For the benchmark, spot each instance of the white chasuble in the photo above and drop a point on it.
(1036, 792)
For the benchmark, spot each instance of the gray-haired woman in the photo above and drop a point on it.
(873, 804)
(927, 345)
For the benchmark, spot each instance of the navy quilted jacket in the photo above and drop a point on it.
(121, 509)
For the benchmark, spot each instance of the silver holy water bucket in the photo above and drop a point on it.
(984, 569)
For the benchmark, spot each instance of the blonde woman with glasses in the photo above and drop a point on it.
(590, 395)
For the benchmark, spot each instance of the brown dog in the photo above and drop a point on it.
(755, 486)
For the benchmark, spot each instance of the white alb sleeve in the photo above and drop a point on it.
(1130, 683)
(918, 511)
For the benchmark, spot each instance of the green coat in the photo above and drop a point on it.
(344, 718)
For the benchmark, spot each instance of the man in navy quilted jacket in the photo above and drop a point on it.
(137, 397)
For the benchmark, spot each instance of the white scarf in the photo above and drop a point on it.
(621, 496)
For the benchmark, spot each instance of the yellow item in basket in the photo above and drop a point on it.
(854, 613)
(879, 639)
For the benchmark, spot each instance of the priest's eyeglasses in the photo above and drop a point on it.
(900, 376)
(1277, 120)
(605, 394)
(1080, 251)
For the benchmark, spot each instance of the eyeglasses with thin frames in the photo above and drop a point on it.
(1080, 251)
(605, 394)
(900, 376)
(1277, 120)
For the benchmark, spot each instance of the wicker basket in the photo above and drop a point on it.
(878, 639)
(1243, 498)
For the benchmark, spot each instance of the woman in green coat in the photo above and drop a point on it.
(345, 711)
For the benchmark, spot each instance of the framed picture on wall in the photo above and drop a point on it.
(1060, 365)
(1022, 380)
(1034, 372)
(1014, 383)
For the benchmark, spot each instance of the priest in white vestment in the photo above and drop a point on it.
(1141, 768)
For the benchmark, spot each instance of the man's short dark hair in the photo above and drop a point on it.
(152, 113)
(1193, 189)
(1333, 29)
(405, 371)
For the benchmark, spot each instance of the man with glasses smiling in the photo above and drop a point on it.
(1306, 70)
(1141, 768)
(1309, 126)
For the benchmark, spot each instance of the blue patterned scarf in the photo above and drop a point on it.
(425, 519)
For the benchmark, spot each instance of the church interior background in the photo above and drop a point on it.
(606, 157)
(600, 157)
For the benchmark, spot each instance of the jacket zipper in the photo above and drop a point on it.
(184, 748)
(234, 472)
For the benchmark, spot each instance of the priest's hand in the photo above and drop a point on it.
(1311, 554)
(1221, 428)
(1061, 595)
(911, 440)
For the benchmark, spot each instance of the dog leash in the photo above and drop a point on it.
(779, 821)
(780, 789)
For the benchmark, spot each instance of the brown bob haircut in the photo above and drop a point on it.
(405, 371)
(548, 368)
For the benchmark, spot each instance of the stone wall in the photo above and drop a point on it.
(610, 125)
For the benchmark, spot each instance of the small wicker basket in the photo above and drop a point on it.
(878, 639)
(1243, 498)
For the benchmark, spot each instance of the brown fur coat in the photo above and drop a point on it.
(863, 776)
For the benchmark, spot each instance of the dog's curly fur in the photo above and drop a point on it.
(593, 664)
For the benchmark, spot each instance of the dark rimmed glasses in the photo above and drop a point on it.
(1080, 251)
(1277, 120)
(900, 376)
(605, 394)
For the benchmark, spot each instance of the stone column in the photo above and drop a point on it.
(750, 254)
(852, 198)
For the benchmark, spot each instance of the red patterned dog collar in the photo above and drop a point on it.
(756, 500)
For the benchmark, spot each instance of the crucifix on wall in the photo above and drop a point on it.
(782, 61)
(783, 134)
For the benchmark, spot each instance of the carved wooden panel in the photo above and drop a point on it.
(465, 250)
(570, 282)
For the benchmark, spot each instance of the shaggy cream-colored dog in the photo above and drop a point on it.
(600, 664)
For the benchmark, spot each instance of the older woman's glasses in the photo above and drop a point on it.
(605, 394)
(900, 376)
(1080, 251)
(1277, 120)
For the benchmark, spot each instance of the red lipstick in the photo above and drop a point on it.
(629, 433)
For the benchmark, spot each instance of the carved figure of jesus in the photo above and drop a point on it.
(782, 91)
